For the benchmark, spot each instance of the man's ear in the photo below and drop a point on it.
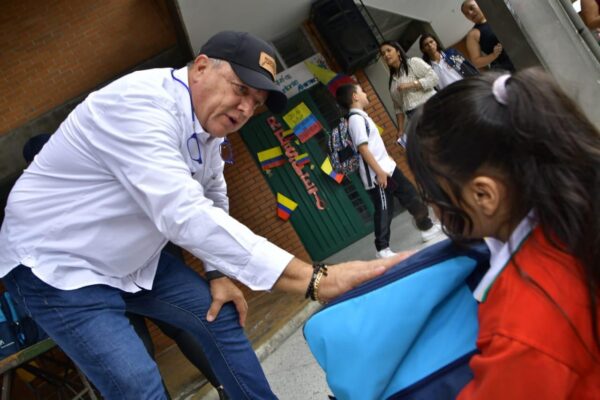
(201, 63)
(486, 194)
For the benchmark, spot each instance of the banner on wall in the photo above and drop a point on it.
(285, 206)
(295, 160)
(328, 169)
(329, 78)
(271, 158)
(298, 77)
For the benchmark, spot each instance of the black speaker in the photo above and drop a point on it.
(346, 33)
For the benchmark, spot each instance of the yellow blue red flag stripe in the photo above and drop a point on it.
(271, 158)
(285, 206)
(302, 159)
(328, 169)
(307, 128)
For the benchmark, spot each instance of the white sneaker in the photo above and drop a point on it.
(385, 253)
(430, 233)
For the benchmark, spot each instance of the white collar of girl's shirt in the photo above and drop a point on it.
(501, 253)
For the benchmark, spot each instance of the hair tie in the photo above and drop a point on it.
(499, 89)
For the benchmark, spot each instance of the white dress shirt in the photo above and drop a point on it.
(116, 182)
(358, 132)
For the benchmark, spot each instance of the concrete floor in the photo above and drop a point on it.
(287, 361)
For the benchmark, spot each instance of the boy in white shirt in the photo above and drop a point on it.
(379, 174)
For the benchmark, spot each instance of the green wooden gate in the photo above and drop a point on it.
(348, 211)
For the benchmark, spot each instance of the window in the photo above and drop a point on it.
(293, 48)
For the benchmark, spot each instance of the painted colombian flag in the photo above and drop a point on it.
(329, 78)
(302, 159)
(307, 128)
(285, 206)
(337, 81)
(328, 169)
(271, 158)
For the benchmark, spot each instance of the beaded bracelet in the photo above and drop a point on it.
(319, 270)
(320, 275)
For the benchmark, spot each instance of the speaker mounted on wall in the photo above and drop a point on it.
(346, 33)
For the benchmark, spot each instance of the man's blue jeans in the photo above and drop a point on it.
(90, 326)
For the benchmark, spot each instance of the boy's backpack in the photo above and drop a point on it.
(342, 152)
(17, 329)
(408, 334)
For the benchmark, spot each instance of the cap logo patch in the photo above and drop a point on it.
(268, 63)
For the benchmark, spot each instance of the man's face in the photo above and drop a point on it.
(222, 102)
(471, 10)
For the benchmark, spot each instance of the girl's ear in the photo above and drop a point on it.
(485, 194)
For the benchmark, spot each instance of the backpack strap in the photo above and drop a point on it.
(367, 168)
(366, 122)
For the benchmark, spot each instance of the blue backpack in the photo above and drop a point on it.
(408, 334)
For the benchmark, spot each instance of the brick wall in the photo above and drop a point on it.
(55, 50)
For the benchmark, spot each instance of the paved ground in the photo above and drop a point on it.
(288, 363)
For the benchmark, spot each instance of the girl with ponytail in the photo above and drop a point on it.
(510, 158)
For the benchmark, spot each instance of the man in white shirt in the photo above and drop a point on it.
(135, 165)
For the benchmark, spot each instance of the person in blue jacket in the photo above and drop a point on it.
(450, 65)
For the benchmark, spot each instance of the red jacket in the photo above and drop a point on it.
(528, 348)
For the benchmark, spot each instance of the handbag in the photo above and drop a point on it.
(17, 329)
(407, 334)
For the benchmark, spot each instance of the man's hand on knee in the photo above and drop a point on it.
(223, 290)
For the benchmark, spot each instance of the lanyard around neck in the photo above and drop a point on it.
(189, 93)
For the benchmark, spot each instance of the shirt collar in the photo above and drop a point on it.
(501, 253)
(358, 111)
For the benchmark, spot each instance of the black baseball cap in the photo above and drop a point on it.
(253, 61)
